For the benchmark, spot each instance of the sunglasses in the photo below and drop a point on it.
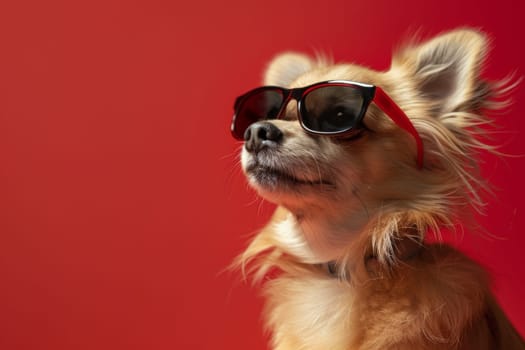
(332, 108)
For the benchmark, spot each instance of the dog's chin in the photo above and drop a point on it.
(277, 184)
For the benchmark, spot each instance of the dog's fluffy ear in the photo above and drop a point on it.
(446, 70)
(286, 68)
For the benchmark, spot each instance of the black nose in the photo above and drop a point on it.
(260, 135)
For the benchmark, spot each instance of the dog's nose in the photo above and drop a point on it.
(260, 135)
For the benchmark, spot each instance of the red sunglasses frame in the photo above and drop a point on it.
(370, 93)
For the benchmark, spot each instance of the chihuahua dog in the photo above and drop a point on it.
(362, 166)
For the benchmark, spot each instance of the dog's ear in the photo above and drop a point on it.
(287, 67)
(445, 70)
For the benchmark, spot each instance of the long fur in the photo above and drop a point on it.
(378, 206)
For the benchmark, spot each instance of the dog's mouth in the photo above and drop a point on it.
(273, 178)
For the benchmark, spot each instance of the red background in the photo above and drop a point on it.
(121, 202)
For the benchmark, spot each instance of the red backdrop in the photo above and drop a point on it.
(121, 202)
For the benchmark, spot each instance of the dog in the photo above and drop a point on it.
(363, 166)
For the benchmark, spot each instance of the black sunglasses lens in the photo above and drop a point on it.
(332, 109)
(258, 105)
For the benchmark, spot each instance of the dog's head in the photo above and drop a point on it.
(367, 185)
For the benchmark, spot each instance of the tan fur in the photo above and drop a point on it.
(387, 294)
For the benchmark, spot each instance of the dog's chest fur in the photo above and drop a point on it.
(313, 312)
(434, 296)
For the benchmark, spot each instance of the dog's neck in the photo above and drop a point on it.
(300, 238)
(405, 249)
(319, 236)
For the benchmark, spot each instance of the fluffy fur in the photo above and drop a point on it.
(348, 237)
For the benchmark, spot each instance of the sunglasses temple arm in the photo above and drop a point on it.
(383, 101)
